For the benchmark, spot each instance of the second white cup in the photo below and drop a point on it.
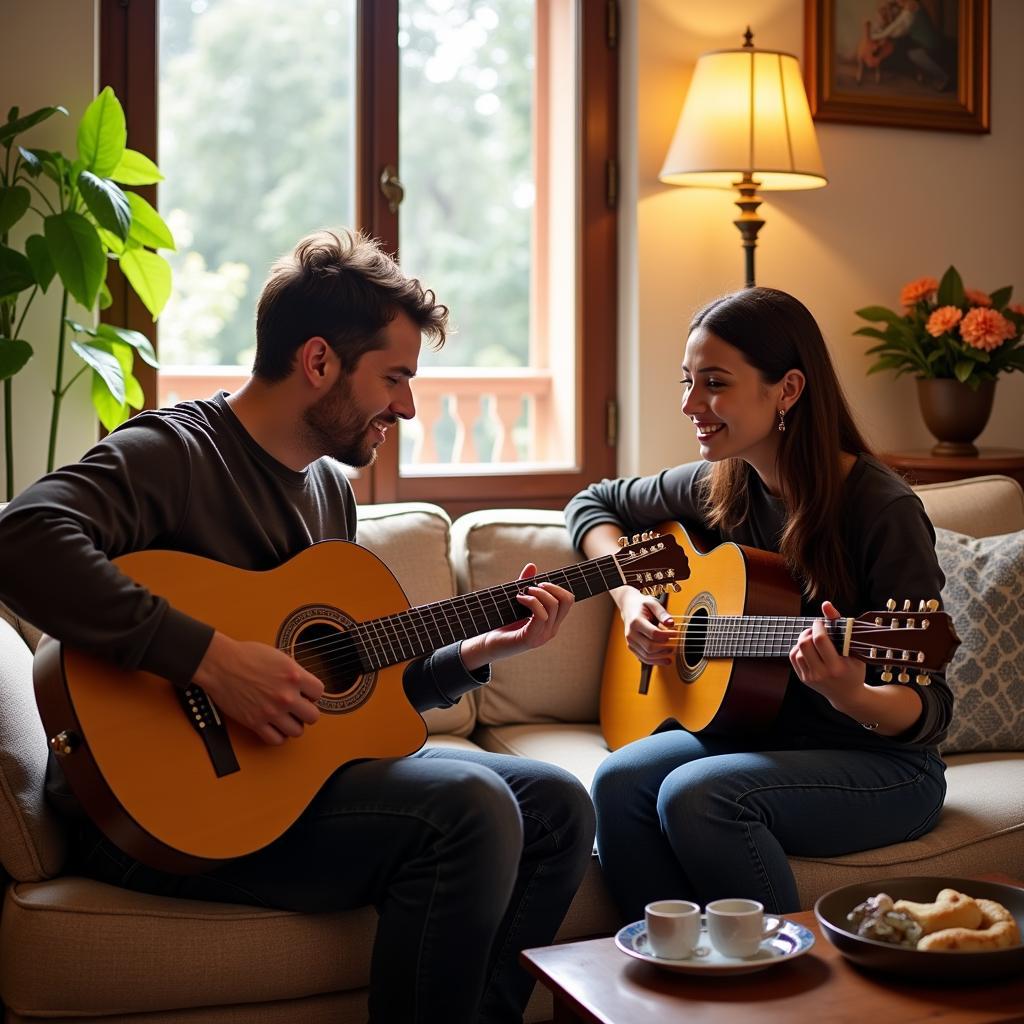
(737, 927)
(673, 928)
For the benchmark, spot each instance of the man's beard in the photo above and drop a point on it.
(335, 427)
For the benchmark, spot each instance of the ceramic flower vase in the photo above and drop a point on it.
(954, 413)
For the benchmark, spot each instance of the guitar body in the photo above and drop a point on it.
(139, 763)
(721, 695)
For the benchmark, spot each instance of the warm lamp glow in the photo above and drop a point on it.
(746, 124)
(746, 113)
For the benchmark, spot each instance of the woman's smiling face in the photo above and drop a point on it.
(735, 411)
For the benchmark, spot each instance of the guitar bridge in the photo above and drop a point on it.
(210, 727)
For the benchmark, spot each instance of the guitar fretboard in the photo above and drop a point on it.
(759, 636)
(418, 631)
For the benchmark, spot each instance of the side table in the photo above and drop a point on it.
(921, 467)
(594, 983)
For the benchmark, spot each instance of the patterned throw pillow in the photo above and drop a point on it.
(984, 594)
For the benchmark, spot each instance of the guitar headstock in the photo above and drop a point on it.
(652, 563)
(923, 641)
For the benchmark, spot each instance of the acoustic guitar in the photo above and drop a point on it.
(180, 787)
(736, 620)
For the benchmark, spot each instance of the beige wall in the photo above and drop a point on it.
(49, 59)
(899, 205)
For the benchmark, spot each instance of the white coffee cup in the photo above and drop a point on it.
(737, 927)
(673, 928)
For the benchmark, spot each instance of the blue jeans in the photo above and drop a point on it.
(468, 857)
(691, 817)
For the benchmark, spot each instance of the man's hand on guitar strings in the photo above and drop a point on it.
(546, 606)
(259, 687)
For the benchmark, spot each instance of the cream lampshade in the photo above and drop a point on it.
(745, 124)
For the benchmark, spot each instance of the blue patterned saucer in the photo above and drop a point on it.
(791, 941)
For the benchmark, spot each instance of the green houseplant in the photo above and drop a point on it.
(88, 221)
(955, 341)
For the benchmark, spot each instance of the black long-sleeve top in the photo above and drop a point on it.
(890, 546)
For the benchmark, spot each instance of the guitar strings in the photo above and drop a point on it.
(411, 627)
(401, 630)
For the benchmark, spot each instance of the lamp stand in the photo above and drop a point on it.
(748, 221)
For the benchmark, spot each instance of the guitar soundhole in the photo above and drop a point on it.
(696, 640)
(320, 639)
(330, 655)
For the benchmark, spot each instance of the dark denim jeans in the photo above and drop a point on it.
(467, 856)
(693, 817)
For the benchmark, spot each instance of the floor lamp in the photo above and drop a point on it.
(746, 125)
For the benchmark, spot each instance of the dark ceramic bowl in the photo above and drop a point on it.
(832, 908)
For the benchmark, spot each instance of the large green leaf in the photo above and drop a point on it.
(14, 354)
(113, 413)
(14, 202)
(77, 254)
(107, 203)
(135, 339)
(136, 169)
(105, 363)
(148, 227)
(17, 125)
(150, 276)
(102, 134)
(877, 313)
(951, 289)
(963, 369)
(38, 253)
(15, 272)
(1001, 296)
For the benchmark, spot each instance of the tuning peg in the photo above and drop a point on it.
(921, 605)
(924, 679)
(891, 604)
(933, 605)
(873, 653)
(887, 674)
(906, 656)
(906, 605)
(636, 538)
(903, 677)
(623, 542)
(676, 587)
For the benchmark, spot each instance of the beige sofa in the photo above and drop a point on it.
(70, 947)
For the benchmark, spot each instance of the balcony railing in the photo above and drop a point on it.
(464, 416)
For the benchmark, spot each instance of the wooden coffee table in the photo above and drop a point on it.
(593, 981)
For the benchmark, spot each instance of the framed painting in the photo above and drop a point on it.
(899, 63)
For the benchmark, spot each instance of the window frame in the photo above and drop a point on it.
(128, 63)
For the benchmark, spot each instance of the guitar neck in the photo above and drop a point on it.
(762, 636)
(426, 628)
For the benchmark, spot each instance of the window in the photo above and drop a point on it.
(496, 121)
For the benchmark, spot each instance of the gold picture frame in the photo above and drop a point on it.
(899, 63)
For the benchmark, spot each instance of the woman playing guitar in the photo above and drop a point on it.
(850, 761)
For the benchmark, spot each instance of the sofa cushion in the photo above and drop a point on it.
(980, 830)
(558, 682)
(982, 506)
(577, 748)
(984, 594)
(131, 952)
(31, 838)
(412, 539)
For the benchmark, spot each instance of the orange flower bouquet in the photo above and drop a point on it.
(948, 331)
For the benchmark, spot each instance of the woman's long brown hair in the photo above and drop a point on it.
(776, 333)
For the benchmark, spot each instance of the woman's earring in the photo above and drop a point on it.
(782, 421)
